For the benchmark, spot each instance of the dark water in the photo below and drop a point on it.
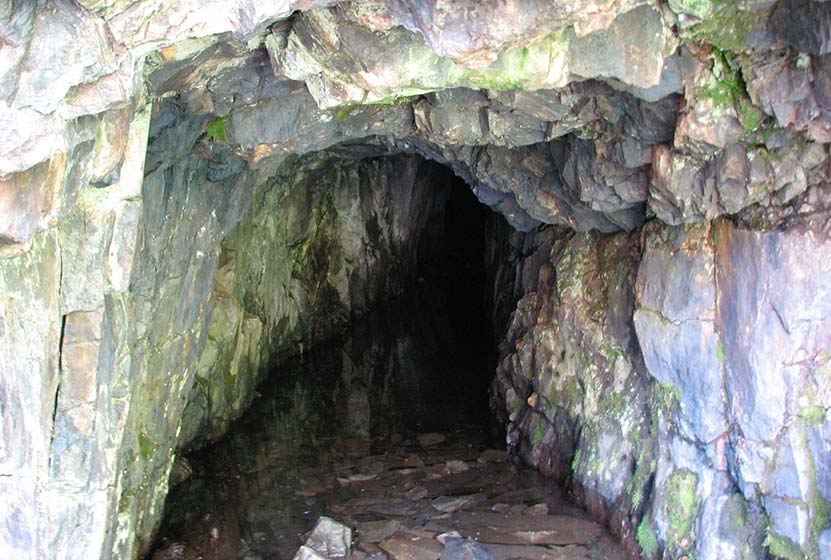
(388, 422)
(403, 370)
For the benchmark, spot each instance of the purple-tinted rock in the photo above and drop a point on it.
(804, 24)
(675, 324)
(774, 312)
(25, 199)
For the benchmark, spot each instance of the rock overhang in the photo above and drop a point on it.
(351, 73)
(514, 97)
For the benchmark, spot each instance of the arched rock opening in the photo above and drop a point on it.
(326, 240)
(665, 169)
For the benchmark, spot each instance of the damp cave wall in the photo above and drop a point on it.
(670, 377)
(702, 328)
(295, 252)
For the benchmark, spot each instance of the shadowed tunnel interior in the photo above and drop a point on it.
(415, 365)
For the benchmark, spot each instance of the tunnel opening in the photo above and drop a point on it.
(401, 384)
(456, 277)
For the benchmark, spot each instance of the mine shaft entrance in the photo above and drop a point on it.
(380, 430)
(420, 361)
(408, 378)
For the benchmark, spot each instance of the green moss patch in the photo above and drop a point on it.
(342, 114)
(681, 507)
(147, 447)
(539, 433)
(638, 482)
(726, 86)
(698, 8)
(720, 352)
(728, 28)
(516, 405)
(647, 539)
(782, 547)
(751, 117)
(814, 415)
(216, 129)
(820, 521)
(575, 462)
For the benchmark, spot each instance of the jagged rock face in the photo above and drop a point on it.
(690, 349)
(277, 78)
(318, 249)
(681, 385)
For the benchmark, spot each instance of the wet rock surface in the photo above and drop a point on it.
(140, 132)
(389, 519)
(643, 383)
(296, 471)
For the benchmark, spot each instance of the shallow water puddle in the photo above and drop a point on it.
(381, 431)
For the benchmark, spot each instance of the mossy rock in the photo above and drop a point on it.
(216, 130)
(698, 8)
(681, 507)
(727, 28)
(147, 447)
(782, 547)
(647, 539)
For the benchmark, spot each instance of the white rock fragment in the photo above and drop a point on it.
(330, 539)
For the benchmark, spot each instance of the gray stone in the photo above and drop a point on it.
(377, 531)
(804, 24)
(519, 529)
(16, 25)
(675, 325)
(608, 53)
(85, 237)
(819, 447)
(473, 37)
(733, 529)
(463, 549)
(791, 477)
(66, 48)
(27, 198)
(777, 307)
(328, 53)
(450, 504)
(331, 539)
(307, 553)
(30, 330)
(430, 439)
(788, 520)
(794, 92)
(405, 546)
(824, 544)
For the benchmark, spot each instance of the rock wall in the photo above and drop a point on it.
(66, 269)
(593, 116)
(324, 241)
(677, 380)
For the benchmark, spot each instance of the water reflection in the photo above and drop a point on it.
(322, 416)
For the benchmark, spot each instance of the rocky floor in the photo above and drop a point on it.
(436, 495)
(380, 435)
